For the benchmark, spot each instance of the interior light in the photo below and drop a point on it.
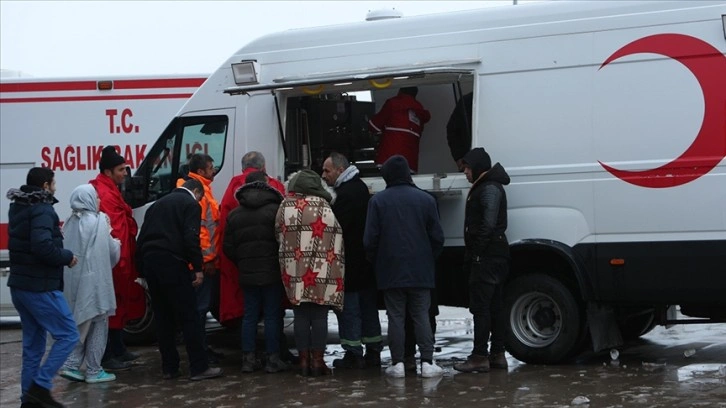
(401, 77)
(244, 73)
(343, 84)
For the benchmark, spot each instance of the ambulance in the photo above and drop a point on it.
(610, 118)
(64, 123)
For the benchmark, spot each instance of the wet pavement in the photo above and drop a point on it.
(684, 366)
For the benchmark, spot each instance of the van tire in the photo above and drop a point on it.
(543, 319)
(142, 331)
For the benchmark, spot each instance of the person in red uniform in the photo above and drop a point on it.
(401, 122)
(231, 304)
(130, 297)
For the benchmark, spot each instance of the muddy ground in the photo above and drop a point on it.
(684, 366)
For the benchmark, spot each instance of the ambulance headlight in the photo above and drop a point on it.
(244, 73)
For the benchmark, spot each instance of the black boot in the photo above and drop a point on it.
(350, 360)
(373, 359)
(41, 396)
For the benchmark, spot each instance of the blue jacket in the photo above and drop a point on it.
(35, 242)
(402, 236)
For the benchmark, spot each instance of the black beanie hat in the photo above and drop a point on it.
(110, 159)
(478, 160)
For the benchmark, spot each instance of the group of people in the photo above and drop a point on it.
(78, 283)
(272, 246)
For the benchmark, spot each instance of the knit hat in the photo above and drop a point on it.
(478, 160)
(110, 159)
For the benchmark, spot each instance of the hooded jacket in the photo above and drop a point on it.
(403, 236)
(89, 285)
(231, 301)
(35, 241)
(486, 208)
(249, 236)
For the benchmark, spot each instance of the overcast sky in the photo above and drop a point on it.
(87, 38)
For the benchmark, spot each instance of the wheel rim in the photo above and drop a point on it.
(536, 320)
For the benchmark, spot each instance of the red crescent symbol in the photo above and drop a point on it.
(708, 65)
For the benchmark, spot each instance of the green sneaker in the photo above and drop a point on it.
(73, 375)
(102, 376)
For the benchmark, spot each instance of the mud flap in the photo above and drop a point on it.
(604, 330)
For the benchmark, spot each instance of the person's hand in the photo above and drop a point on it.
(209, 268)
(198, 279)
(74, 262)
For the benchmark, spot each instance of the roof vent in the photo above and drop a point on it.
(383, 14)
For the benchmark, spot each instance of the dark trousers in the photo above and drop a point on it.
(115, 346)
(311, 326)
(417, 302)
(486, 304)
(204, 293)
(409, 347)
(358, 322)
(174, 300)
(268, 301)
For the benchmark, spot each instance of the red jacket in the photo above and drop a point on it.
(231, 302)
(401, 120)
(130, 297)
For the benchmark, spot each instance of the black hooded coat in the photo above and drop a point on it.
(249, 237)
(486, 208)
(403, 236)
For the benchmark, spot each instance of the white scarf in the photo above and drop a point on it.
(346, 175)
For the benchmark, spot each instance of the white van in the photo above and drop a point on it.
(608, 116)
(64, 123)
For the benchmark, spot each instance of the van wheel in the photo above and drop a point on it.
(141, 331)
(545, 325)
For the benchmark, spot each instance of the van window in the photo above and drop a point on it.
(165, 162)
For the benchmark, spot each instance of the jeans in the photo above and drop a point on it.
(311, 326)
(417, 301)
(268, 300)
(42, 312)
(358, 322)
(486, 279)
(204, 303)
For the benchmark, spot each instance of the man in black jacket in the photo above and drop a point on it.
(487, 258)
(167, 244)
(358, 322)
(250, 242)
(37, 258)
